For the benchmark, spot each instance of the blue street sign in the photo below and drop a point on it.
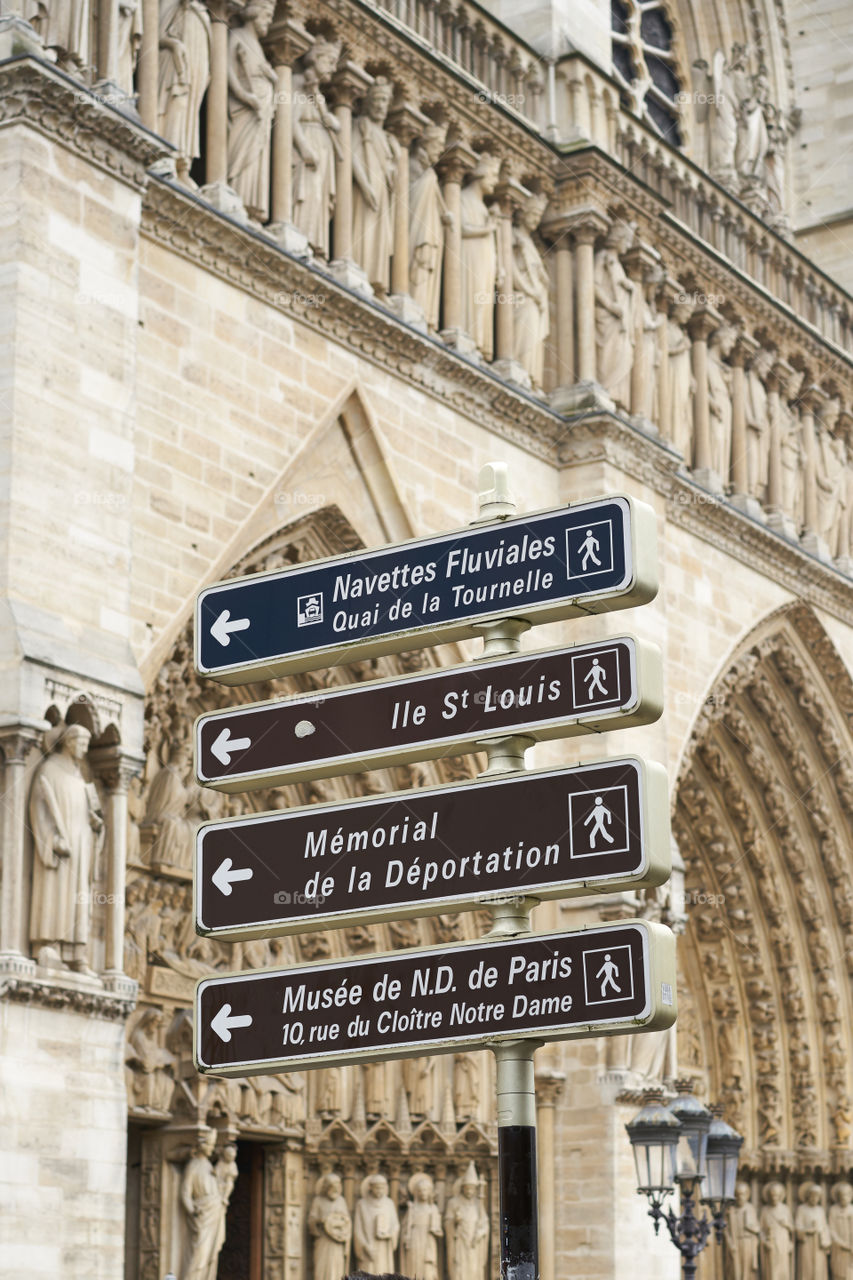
(587, 558)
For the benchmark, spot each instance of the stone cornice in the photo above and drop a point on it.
(37, 94)
(250, 260)
(110, 1005)
(606, 438)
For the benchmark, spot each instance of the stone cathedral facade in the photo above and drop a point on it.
(277, 279)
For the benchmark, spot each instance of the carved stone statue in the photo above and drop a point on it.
(479, 265)
(841, 1231)
(376, 1227)
(831, 485)
(813, 1238)
(226, 1172)
(64, 27)
(466, 1086)
(129, 39)
(419, 1080)
(531, 292)
(720, 399)
(204, 1202)
(420, 1231)
(330, 1226)
(791, 448)
(741, 1236)
(757, 424)
(151, 1083)
(315, 146)
(184, 77)
(374, 169)
(67, 826)
(466, 1225)
(680, 378)
(722, 121)
(251, 107)
(428, 216)
(614, 315)
(171, 797)
(377, 1100)
(753, 139)
(777, 1235)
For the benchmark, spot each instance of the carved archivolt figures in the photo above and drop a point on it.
(466, 1226)
(479, 264)
(67, 826)
(374, 169)
(316, 147)
(251, 107)
(428, 217)
(420, 1231)
(330, 1225)
(184, 76)
(376, 1227)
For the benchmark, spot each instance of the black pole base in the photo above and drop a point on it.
(519, 1202)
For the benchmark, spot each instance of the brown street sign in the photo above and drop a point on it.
(590, 557)
(556, 694)
(604, 980)
(558, 833)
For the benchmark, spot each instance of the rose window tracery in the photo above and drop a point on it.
(644, 63)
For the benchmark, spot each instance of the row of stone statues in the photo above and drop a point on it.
(798, 1247)
(374, 1231)
(648, 336)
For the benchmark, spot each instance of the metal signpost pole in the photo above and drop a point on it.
(517, 1172)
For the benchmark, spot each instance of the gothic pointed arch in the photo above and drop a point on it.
(764, 820)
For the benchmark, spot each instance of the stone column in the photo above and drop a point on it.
(406, 123)
(565, 310)
(643, 266)
(286, 42)
(349, 83)
(742, 353)
(148, 66)
(812, 400)
(549, 1087)
(16, 743)
(702, 323)
(216, 189)
(116, 767)
(584, 225)
(665, 294)
(510, 194)
(107, 52)
(777, 519)
(458, 159)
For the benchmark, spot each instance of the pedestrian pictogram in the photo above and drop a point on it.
(599, 818)
(609, 969)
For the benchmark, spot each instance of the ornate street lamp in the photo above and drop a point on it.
(685, 1144)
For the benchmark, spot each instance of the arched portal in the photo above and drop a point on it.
(764, 819)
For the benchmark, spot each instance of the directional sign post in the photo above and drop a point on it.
(558, 833)
(583, 689)
(587, 558)
(599, 981)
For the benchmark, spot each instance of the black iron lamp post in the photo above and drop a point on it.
(685, 1143)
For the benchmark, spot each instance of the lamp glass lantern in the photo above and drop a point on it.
(721, 1164)
(654, 1134)
(694, 1121)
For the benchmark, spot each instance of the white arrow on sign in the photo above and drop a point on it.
(223, 1023)
(222, 628)
(225, 745)
(223, 877)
